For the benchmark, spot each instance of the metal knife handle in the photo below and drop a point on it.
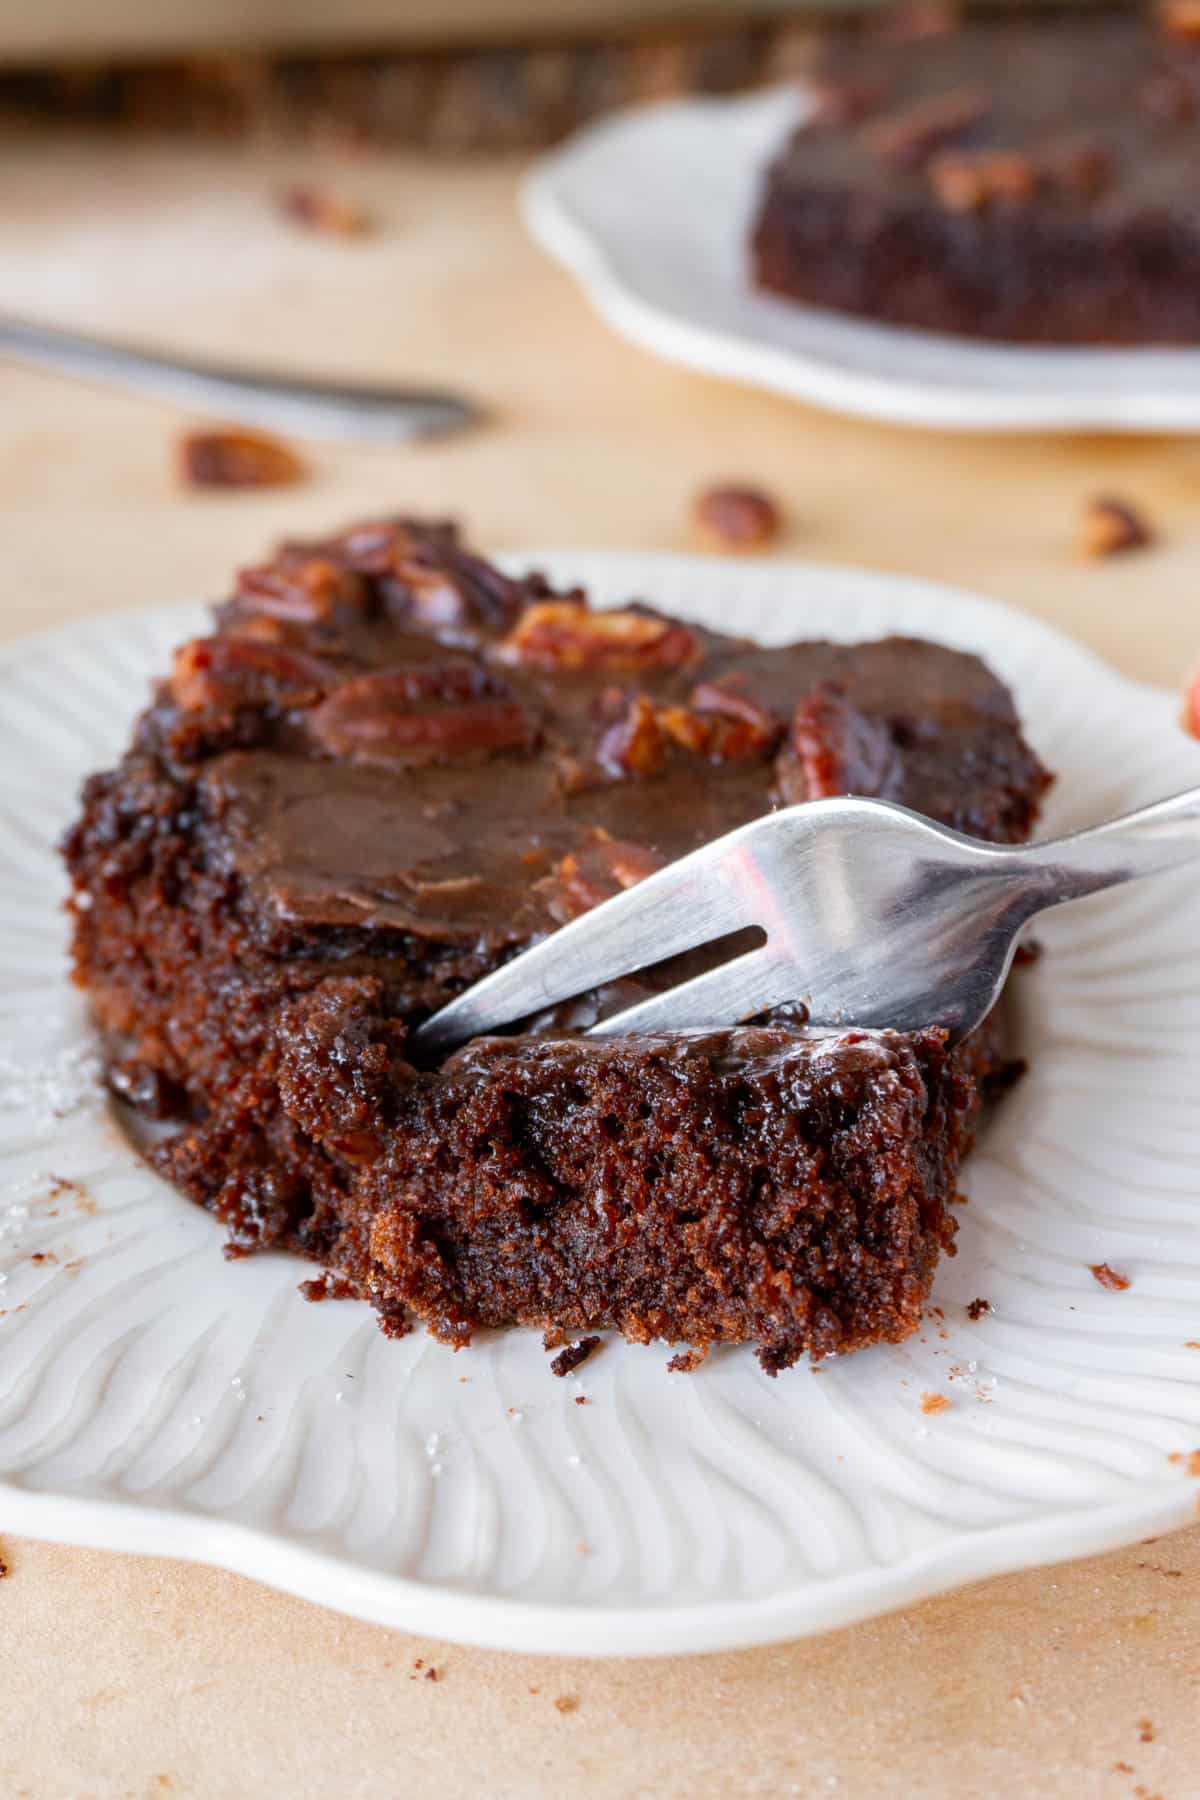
(311, 408)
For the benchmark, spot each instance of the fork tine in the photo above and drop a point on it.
(724, 996)
(689, 903)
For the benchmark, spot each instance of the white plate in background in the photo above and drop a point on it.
(651, 210)
(154, 1397)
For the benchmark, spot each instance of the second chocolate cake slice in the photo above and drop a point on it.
(389, 769)
(1014, 178)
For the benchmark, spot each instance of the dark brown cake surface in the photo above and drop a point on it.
(389, 768)
(1022, 179)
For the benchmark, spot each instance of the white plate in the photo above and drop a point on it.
(154, 1397)
(651, 210)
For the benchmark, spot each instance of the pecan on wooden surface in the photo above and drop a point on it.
(324, 210)
(1110, 526)
(233, 456)
(734, 516)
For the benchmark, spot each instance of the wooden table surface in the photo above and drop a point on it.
(128, 1677)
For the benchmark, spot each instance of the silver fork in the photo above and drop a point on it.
(871, 916)
(308, 405)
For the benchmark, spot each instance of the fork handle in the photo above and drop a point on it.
(1147, 842)
(309, 406)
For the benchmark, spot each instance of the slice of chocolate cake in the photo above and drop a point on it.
(1026, 179)
(390, 768)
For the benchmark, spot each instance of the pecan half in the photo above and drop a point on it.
(234, 456)
(324, 209)
(566, 634)
(733, 517)
(971, 181)
(1110, 526)
(417, 716)
(911, 137)
(311, 593)
(445, 588)
(224, 673)
(835, 749)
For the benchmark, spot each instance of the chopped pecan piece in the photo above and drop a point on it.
(733, 517)
(324, 209)
(835, 749)
(601, 867)
(1179, 18)
(636, 744)
(1110, 526)
(234, 456)
(419, 715)
(223, 673)
(744, 726)
(369, 548)
(372, 546)
(311, 593)
(722, 723)
(969, 182)
(911, 137)
(566, 634)
(719, 723)
(260, 628)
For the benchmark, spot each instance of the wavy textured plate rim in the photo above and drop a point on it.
(491, 1623)
(851, 366)
(294, 1566)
